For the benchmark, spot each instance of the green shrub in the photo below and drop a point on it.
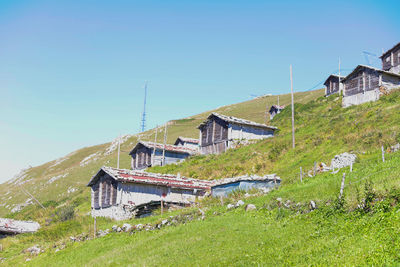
(65, 213)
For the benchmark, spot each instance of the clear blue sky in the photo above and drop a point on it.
(72, 72)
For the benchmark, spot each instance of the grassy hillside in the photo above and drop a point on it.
(360, 229)
(336, 233)
(66, 178)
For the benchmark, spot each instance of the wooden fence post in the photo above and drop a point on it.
(94, 228)
(383, 154)
(351, 167)
(301, 175)
(342, 186)
(162, 206)
(315, 168)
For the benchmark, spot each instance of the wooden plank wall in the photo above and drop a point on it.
(367, 80)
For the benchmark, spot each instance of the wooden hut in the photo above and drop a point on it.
(391, 59)
(147, 154)
(275, 109)
(366, 84)
(121, 194)
(220, 132)
(187, 142)
(333, 84)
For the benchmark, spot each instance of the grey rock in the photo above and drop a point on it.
(313, 206)
(230, 206)
(139, 226)
(250, 207)
(126, 227)
(164, 222)
(239, 203)
(114, 227)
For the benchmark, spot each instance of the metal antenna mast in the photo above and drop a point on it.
(143, 121)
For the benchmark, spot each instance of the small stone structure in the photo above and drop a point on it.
(187, 142)
(366, 84)
(147, 154)
(333, 84)
(10, 226)
(121, 194)
(224, 187)
(218, 132)
(391, 59)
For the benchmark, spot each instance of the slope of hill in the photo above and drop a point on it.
(359, 229)
(66, 178)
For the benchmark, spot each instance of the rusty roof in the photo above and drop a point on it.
(235, 120)
(168, 147)
(142, 177)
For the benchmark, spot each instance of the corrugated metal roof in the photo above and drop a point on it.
(188, 140)
(169, 180)
(235, 120)
(268, 177)
(168, 147)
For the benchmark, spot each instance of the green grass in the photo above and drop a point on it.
(272, 235)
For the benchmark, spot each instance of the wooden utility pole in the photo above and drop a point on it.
(342, 186)
(301, 174)
(165, 144)
(339, 77)
(315, 168)
(154, 149)
(291, 86)
(94, 228)
(119, 150)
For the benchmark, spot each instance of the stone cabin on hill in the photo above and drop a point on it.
(187, 142)
(333, 84)
(391, 59)
(121, 194)
(365, 84)
(147, 154)
(275, 109)
(219, 132)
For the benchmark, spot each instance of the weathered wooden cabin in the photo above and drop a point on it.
(275, 109)
(365, 84)
(223, 187)
(121, 194)
(187, 142)
(147, 154)
(391, 59)
(333, 84)
(219, 132)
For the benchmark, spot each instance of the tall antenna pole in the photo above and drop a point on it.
(143, 121)
(165, 144)
(291, 88)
